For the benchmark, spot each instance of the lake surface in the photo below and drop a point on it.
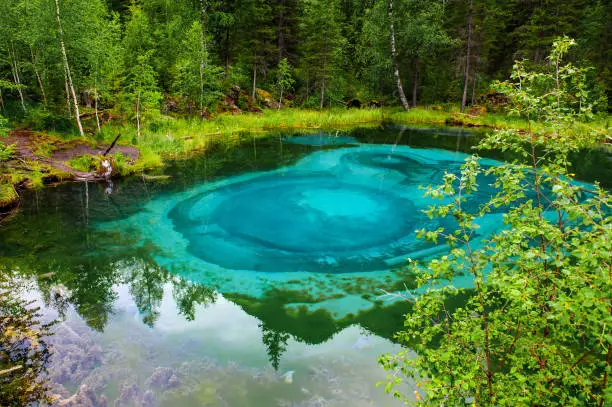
(250, 277)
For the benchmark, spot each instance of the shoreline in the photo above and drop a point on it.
(43, 159)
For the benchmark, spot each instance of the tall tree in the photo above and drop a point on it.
(70, 84)
(323, 41)
(142, 91)
(396, 72)
(467, 56)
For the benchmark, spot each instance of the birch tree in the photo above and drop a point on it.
(467, 56)
(69, 82)
(396, 73)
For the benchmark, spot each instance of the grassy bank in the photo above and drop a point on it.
(168, 137)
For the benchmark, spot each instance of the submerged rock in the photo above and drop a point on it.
(85, 397)
(288, 377)
(163, 378)
(130, 395)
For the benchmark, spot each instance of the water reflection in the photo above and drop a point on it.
(143, 328)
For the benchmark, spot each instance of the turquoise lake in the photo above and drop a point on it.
(253, 276)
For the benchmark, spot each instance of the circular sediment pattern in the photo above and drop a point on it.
(335, 226)
(294, 222)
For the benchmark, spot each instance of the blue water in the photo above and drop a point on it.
(332, 216)
(254, 276)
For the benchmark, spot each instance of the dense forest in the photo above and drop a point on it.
(498, 294)
(183, 57)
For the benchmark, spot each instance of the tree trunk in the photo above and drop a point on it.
(322, 103)
(16, 78)
(398, 80)
(227, 53)
(96, 106)
(467, 58)
(67, 89)
(474, 88)
(323, 80)
(204, 7)
(253, 93)
(280, 33)
(280, 100)
(415, 81)
(67, 68)
(38, 78)
(138, 115)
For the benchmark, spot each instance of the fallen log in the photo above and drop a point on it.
(112, 145)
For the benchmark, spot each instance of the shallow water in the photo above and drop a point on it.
(251, 277)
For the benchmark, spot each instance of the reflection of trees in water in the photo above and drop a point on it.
(146, 281)
(24, 352)
(276, 344)
(88, 283)
(187, 295)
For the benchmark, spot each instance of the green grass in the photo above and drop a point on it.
(168, 137)
(8, 195)
(83, 163)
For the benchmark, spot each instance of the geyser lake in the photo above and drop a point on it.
(253, 276)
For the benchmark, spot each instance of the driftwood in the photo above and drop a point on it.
(112, 145)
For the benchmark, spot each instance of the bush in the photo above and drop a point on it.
(535, 330)
(84, 163)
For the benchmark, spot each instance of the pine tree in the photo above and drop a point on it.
(322, 44)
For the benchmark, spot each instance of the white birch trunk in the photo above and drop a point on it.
(204, 7)
(396, 74)
(67, 69)
(38, 78)
(96, 107)
(16, 78)
(467, 59)
(66, 88)
(138, 114)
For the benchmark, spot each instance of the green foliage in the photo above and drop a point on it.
(321, 26)
(196, 78)
(141, 92)
(284, 79)
(83, 163)
(6, 151)
(536, 328)
(340, 50)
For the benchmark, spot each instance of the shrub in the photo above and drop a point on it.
(535, 330)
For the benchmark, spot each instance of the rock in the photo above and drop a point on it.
(163, 378)
(85, 397)
(148, 399)
(265, 99)
(173, 381)
(288, 377)
(130, 395)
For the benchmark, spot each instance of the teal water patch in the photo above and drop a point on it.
(321, 140)
(334, 217)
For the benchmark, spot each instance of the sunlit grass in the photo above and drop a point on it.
(169, 137)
